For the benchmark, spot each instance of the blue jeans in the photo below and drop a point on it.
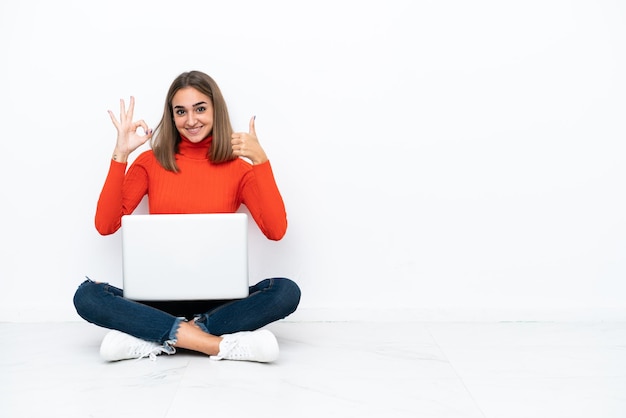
(104, 305)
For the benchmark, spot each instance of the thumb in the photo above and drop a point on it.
(252, 131)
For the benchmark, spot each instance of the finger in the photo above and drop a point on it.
(131, 108)
(146, 137)
(114, 119)
(143, 125)
(122, 110)
(237, 146)
(252, 130)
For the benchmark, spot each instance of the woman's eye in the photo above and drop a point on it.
(200, 109)
(180, 112)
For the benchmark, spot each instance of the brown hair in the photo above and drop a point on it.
(166, 138)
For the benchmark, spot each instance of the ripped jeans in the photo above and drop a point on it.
(104, 305)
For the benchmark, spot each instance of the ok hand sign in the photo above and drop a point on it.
(128, 139)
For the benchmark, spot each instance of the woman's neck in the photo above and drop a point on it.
(195, 150)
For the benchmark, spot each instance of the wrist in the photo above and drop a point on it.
(119, 157)
(260, 159)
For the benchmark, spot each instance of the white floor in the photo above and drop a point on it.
(330, 369)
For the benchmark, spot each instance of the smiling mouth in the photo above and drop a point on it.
(194, 130)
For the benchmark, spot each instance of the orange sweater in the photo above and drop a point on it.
(198, 187)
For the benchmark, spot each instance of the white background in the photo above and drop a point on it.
(438, 159)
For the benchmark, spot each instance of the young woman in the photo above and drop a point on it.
(193, 166)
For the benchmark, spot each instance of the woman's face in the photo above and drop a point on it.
(193, 114)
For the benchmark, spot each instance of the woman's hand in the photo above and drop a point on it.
(128, 140)
(246, 144)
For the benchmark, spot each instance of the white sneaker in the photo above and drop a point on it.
(119, 346)
(258, 346)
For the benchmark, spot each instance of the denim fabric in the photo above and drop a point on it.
(105, 306)
(269, 301)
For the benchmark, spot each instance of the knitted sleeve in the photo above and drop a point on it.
(261, 196)
(120, 195)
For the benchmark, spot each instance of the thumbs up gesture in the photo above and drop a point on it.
(246, 144)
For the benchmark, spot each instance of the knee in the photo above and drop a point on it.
(289, 294)
(86, 299)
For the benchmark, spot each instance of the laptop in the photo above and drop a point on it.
(178, 257)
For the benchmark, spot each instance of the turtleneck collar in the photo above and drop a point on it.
(196, 151)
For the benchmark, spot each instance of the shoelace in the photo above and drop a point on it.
(236, 350)
(226, 348)
(146, 349)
